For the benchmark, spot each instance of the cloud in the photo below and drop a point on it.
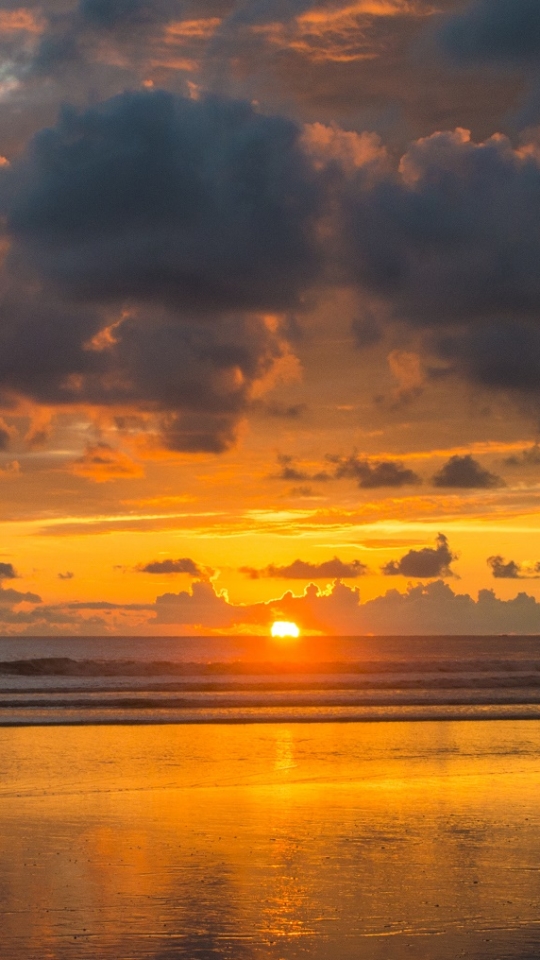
(7, 571)
(448, 241)
(510, 570)
(304, 570)
(527, 458)
(425, 609)
(435, 609)
(73, 37)
(193, 203)
(426, 563)
(182, 565)
(292, 474)
(316, 32)
(101, 463)
(14, 597)
(203, 607)
(157, 232)
(498, 354)
(493, 31)
(104, 14)
(371, 474)
(465, 473)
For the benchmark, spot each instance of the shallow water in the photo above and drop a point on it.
(375, 841)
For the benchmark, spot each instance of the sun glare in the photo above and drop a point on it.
(282, 629)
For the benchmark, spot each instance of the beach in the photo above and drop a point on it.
(281, 841)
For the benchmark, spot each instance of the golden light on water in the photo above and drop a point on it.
(284, 628)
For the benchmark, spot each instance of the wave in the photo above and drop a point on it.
(67, 666)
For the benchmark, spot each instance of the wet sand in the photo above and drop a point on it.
(377, 841)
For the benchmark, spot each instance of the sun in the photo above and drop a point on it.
(283, 628)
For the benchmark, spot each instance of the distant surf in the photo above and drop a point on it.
(72, 680)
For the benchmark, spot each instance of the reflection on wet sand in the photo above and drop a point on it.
(337, 841)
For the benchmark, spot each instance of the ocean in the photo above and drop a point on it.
(150, 680)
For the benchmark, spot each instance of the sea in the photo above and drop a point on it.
(171, 680)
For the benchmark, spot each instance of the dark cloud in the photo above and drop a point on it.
(71, 37)
(491, 31)
(16, 596)
(7, 571)
(107, 14)
(371, 474)
(304, 570)
(4, 439)
(434, 237)
(426, 563)
(292, 474)
(257, 12)
(503, 354)
(510, 570)
(192, 203)
(527, 458)
(188, 219)
(465, 473)
(195, 203)
(450, 241)
(182, 565)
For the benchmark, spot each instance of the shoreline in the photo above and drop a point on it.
(266, 720)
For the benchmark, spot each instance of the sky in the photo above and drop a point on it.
(269, 316)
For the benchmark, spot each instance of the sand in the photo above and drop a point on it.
(372, 841)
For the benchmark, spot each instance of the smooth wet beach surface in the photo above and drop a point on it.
(372, 841)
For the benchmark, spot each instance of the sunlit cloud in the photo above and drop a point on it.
(339, 34)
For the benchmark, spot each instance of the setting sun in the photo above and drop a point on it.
(282, 628)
